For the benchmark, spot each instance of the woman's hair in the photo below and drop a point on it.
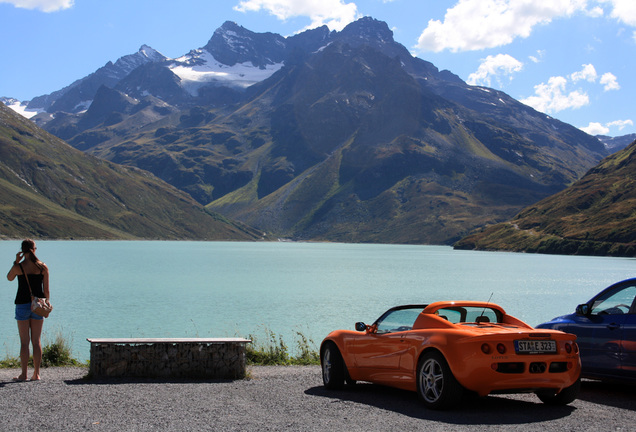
(28, 245)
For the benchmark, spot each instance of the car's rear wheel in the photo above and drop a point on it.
(333, 367)
(564, 397)
(437, 388)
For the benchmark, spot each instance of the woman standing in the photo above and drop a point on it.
(29, 323)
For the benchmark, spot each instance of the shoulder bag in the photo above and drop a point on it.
(39, 305)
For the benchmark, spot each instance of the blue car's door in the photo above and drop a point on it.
(599, 338)
(628, 346)
(604, 335)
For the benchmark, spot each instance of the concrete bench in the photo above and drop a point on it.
(199, 358)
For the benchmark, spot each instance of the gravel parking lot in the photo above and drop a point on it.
(285, 398)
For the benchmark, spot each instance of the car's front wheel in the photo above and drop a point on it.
(437, 388)
(333, 367)
(564, 397)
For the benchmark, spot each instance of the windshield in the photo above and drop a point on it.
(470, 314)
(398, 319)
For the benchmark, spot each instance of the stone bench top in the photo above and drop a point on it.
(166, 340)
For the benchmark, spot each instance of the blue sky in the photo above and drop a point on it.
(571, 59)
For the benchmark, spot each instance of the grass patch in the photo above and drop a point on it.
(11, 363)
(56, 353)
(275, 351)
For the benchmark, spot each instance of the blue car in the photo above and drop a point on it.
(605, 328)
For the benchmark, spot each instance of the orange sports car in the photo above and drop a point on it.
(445, 348)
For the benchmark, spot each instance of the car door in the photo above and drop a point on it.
(378, 351)
(381, 348)
(601, 334)
(628, 344)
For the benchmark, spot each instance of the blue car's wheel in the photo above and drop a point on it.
(437, 388)
(333, 367)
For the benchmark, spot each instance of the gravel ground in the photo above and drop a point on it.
(285, 398)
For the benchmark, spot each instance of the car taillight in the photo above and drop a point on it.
(485, 348)
(568, 348)
(501, 348)
(576, 347)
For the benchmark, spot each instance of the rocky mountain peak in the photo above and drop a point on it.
(126, 64)
(369, 30)
(231, 44)
(151, 53)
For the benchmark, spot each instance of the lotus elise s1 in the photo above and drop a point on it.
(445, 349)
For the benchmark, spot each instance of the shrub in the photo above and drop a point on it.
(58, 353)
(306, 355)
(275, 352)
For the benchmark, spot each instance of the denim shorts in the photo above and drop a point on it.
(23, 312)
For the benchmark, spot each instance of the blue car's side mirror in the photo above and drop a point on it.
(583, 309)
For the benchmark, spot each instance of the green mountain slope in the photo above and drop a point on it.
(50, 190)
(595, 216)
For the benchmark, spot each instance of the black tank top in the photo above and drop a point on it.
(23, 295)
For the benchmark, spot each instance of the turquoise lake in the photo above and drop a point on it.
(228, 289)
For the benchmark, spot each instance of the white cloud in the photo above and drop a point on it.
(620, 124)
(624, 11)
(494, 67)
(336, 14)
(553, 97)
(538, 57)
(595, 128)
(43, 5)
(596, 12)
(588, 73)
(480, 24)
(610, 82)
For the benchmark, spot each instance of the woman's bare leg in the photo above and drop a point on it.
(36, 332)
(24, 329)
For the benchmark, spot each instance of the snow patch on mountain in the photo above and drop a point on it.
(20, 107)
(83, 106)
(199, 68)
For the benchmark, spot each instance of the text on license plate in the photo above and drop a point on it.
(535, 346)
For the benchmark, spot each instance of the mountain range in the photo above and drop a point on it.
(324, 135)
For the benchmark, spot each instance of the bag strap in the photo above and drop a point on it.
(27, 279)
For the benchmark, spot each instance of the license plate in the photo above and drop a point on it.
(535, 347)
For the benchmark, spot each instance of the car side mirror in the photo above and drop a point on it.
(360, 326)
(583, 309)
